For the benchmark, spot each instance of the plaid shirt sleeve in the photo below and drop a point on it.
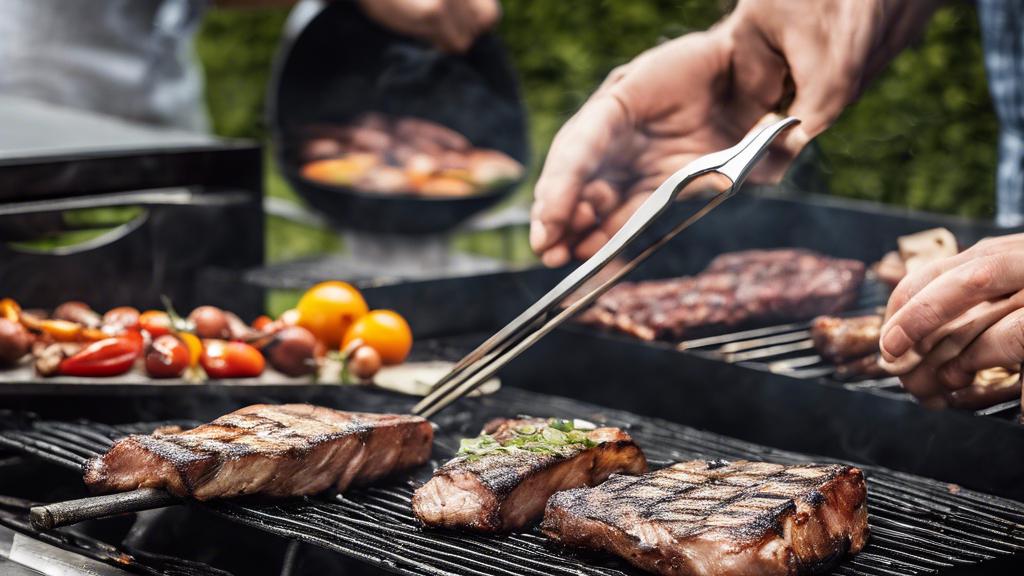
(1002, 29)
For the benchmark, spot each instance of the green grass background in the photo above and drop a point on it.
(923, 135)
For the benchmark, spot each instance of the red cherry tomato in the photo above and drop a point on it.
(223, 359)
(123, 318)
(168, 357)
(108, 357)
(155, 322)
(261, 322)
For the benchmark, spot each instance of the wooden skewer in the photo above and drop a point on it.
(74, 511)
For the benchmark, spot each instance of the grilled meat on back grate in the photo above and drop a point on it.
(501, 489)
(713, 518)
(287, 450)
(736, 287)
(840, 340)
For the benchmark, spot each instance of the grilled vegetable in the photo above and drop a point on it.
(156, 322)
(222, 359)
(364, 363)
(210, 322)
(386, 332)
(291, 351)
(122, 318)
(78, 312)
(109, 357)
(168, 357)
(15, 341)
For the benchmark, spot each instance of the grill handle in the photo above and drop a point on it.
(75, 511)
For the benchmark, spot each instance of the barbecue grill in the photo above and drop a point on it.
(201, 222)
(918, 525)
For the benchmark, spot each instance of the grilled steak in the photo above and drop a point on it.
(502, 479)
(288, 450)
(840, 340)
(734, 288)
(714, 518)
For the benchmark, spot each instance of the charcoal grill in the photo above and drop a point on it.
(919, 526)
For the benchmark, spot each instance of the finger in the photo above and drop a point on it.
(915, 282)
(949, 296)
(459, 25)
(600, 236)
(558, 255)
(583, 219)
(976, 397)
(574, 158)
(952, 338)
(602, 196)
(1001, 346)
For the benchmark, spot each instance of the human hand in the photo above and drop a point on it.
(701, 93)
(450, 25)
(955, 317)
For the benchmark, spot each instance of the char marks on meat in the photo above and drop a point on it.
(507, 488)
(287, 450)
(713, 518)
(734, 288)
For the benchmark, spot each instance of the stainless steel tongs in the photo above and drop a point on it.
(481, 364)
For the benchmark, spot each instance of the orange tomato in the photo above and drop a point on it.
(155, 322)
(327, 310)
(386, 332)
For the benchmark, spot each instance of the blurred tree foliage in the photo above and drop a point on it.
(923, 135)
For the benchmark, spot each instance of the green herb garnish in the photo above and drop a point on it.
(547, 440)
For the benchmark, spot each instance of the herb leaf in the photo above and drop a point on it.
(544, 439)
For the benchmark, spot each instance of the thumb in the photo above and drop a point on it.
(576, 154)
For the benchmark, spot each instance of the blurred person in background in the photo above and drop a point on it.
(703, 92)
(135, 58)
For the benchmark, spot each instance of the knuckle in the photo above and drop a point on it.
(1013, 343)
(982, 275)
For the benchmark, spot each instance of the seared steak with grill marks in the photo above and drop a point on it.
(502, 479)
(840, 340)
(713, 518)
(734, 288)
(288, 450)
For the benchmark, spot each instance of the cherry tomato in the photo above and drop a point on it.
(155, 322)
(327, 310)
(168, 357)
(122, 318)
(108, 357)
(386, 332)
(261, 322)
(223, 359)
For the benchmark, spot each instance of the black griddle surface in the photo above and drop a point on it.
(918, 525)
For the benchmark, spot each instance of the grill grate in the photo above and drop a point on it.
(787, 349)
(919, 526)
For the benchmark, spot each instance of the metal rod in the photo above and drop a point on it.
(75, 511)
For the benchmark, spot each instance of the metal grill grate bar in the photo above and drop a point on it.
(919, 527)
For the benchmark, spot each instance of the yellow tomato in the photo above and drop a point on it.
(384, 331)
(328, 310)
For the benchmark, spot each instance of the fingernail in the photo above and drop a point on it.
(896, 342)
(538, 236)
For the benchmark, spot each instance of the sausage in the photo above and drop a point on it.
(840, 340)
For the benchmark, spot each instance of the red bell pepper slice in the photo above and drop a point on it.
(109, 357)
